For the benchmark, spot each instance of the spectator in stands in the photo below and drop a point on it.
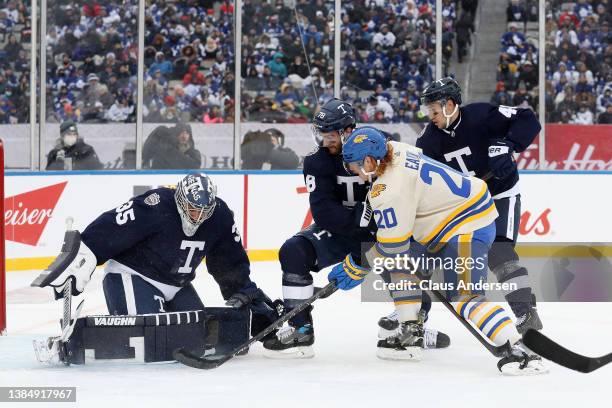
(212, 115)
(266, 150)
(120, 110)
(379, 104)
(161, 65)
(513, 37)
(171, 148)
(604, 100)
(584, 116)
(384, 37)
(561, 72)
(71, 152)
(12, 48)
(528, 74)
(515, 12)
(500, 96)
(277, 67)
(464, 28)
(605, 118)
(565, 100)
(506, 73)
(299, 68)
(523, 98)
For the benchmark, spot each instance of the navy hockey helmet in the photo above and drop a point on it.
(442, 90)
(334, 115)
(195, 198)
(363, 142)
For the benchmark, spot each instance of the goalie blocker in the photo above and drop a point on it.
(152, 337)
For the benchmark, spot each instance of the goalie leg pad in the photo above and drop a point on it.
(153, 337)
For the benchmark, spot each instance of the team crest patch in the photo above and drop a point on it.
(361, 138)
(377, 189)
(152, 199)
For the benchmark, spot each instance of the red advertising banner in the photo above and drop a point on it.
(571, 147)
(27, 214)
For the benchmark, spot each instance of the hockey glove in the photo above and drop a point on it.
(501, 159)
(347, 274)
(264, 311)
(75, 262)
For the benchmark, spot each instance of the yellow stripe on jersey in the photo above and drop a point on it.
(469, 219)
(486, 316)
(394, 240)
(475, 311)
(406, 302)
(448, 219)
(499, 328)
(465, 252)
(465, 299)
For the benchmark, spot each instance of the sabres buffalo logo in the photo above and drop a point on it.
(361, 138)
(377, 189)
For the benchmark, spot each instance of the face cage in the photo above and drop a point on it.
(189, 225)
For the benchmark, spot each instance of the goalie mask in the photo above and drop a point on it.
(195, 198)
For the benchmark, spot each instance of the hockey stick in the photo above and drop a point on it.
(186, 357)
(556, 353)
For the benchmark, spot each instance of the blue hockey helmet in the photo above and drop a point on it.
(364, 141)
(334, 115)
(195, 198)
(442, 90)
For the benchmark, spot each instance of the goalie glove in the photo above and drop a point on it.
(75, 260)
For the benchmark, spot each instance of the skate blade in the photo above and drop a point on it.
(409, 354)
(292, 353)
(44, 355)
(533, 368)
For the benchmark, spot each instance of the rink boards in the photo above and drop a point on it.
(268, 207)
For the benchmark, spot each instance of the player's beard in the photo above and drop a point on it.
(334, 147)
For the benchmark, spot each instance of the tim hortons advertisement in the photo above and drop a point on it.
(571, 147)
(270, 208)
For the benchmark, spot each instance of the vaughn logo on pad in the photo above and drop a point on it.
(115, 321)
(27, 214)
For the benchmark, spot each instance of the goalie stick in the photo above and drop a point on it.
(186, 357)
(556, 353)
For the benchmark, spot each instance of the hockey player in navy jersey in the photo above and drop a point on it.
(480, 139)
(152, 245)
(341, 226)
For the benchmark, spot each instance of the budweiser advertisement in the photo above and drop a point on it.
(269, 208)
(571, 147)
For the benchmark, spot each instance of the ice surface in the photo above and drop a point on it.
(345, 371)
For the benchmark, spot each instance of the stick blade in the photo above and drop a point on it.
(189, 359)
(556, 353)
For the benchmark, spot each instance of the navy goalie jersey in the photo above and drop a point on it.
(464, 144)
(333, 192)
(145, 234)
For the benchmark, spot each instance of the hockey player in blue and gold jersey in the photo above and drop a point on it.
(418, 203)
(479, 140)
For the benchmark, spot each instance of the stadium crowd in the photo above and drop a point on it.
(578, 60)
(15, 34)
